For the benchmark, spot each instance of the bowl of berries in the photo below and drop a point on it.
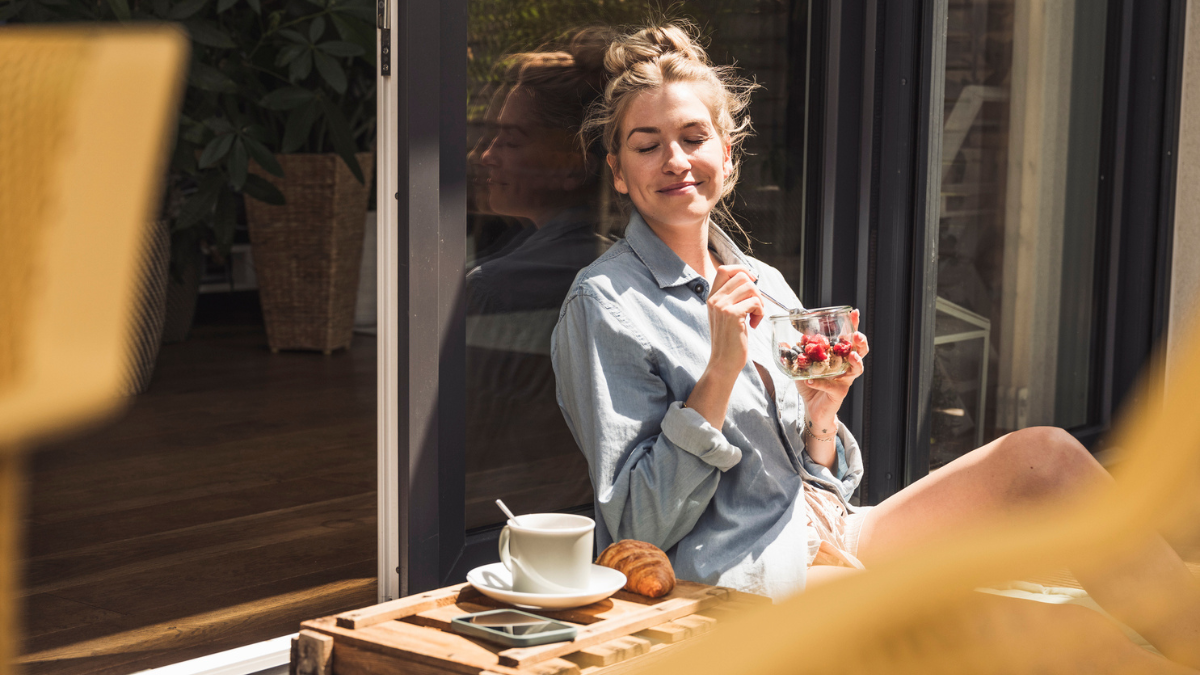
(813, 344)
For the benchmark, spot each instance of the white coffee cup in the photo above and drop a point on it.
(548, 552)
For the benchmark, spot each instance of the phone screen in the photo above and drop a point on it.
(515, 623)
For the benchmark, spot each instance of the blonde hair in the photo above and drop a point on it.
(655, 56)
(565, 78)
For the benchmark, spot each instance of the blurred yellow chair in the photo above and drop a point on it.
(85, 121)
(918, 613)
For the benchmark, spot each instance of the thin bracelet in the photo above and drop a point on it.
(828, 439)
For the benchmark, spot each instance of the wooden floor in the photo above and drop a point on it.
(231, 501)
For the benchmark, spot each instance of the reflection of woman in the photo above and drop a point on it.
(533, 171)
(695, 443)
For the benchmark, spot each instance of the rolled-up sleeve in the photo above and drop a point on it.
(654, 464)
(848, 469)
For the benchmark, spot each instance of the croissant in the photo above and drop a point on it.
(646, 568)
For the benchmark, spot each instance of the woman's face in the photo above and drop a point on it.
(672, 161)
(531, 169)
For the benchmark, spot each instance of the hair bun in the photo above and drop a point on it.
(651, 43)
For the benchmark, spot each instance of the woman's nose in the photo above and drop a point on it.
(489, 157)
(677, 159)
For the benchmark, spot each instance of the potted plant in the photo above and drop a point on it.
(280, 99)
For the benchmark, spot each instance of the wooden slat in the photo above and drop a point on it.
(680, 629)
(313, 653)
(400, 608)
(684, 600)
(613, 651)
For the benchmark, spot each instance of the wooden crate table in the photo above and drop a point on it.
(412, 635)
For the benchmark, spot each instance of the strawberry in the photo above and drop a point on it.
(802, 361)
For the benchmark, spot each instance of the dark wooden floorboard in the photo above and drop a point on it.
(230, 502)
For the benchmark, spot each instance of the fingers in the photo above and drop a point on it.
(751, 308)
(858, 342)
(854, 319)
(727, 272)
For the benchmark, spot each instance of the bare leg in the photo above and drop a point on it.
(820, 574)
(1151, 590)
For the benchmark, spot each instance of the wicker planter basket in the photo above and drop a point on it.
(151, 308)
(307, 252)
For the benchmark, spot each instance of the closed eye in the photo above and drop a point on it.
(648, 148)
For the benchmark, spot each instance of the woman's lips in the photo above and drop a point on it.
(679, 188)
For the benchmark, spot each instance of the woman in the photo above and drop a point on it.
(696, 444)
(528, 170)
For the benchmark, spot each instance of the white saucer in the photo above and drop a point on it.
(495, 581)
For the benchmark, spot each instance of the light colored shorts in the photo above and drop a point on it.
(833, 533)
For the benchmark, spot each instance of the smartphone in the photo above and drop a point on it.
(512, 628)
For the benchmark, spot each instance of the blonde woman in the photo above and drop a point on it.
(695, 443)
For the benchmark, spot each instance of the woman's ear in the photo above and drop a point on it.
(618, 180)
(728, 156)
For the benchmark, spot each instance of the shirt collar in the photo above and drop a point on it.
(668, 269)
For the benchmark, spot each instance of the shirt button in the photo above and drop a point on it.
(699, 288)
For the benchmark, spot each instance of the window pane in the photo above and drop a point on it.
(1017, 221)
(538, 212)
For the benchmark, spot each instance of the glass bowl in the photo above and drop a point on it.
(812, 344)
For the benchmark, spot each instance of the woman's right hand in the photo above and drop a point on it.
(734, 307)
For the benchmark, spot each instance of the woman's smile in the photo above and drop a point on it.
(684, 188)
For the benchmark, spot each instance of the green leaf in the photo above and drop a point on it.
(292, 35)
(261, 189)
(286, 98)
(120, 9)
(301, 67)
(331, 71)
(239, 163)
(223, 5)
(357, 32)
(186, 9)
(360, 11)
(215, 150)
(289, 54)
(208, 78)
(263, 156)
(208, 33)
(200, 204)
(219, 125)
(341, 49)
(343, 140)
(256, 5)
(316, 29)
(298, 126)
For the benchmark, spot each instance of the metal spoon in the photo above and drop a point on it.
(507, 512)
(768, 296)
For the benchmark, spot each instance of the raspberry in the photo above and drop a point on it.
(815, 351)
(842, 348)
(802, 361)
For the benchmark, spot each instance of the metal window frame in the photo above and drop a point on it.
(897, 185)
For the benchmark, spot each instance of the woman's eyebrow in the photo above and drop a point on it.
(654, 130)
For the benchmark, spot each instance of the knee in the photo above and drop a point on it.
(1049, 461)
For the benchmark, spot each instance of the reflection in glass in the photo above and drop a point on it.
(540, 208)
(1017, 220)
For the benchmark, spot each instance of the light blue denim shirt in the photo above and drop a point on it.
(726, 505)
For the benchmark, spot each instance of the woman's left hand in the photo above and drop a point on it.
(823, 397)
